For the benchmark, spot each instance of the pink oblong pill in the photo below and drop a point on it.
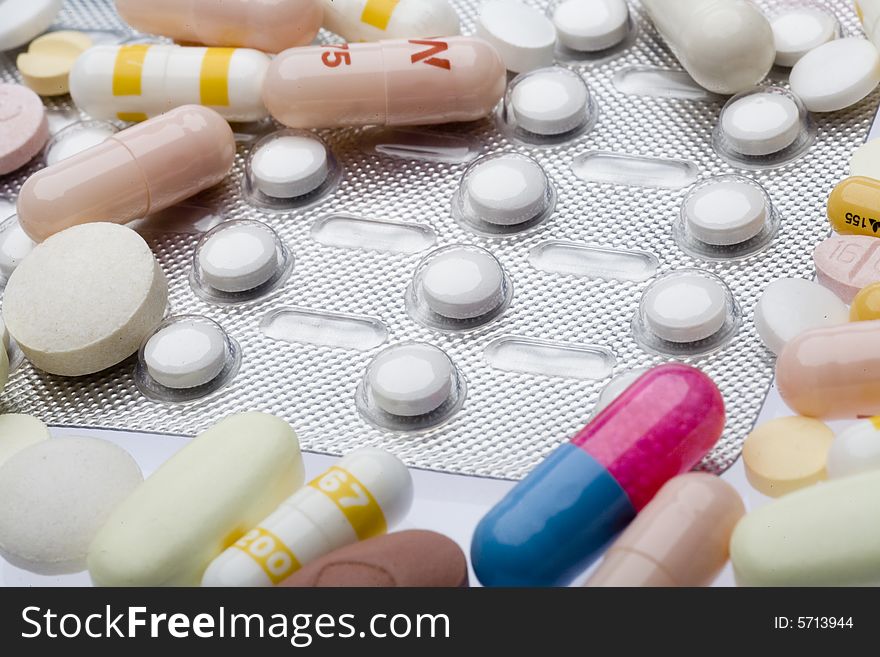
(24, 129)
(847, 263)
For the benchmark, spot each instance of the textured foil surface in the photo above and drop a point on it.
(509, 420)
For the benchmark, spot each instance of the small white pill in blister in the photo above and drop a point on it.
(550, 101)
(14, 246)
(522, 35)
(615, 386)
(238, 258)
(410, 379)
(76, 141)
(507, 190)
(798, 30)
(789, 306)
(186, 354)
(761, 123)
(685, 308)
(726, 212)
(836, 75)
(463, 283)
(590, 25)
(290, 166)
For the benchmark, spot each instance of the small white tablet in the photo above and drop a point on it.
(290, 166)
(507, 190)
(463, 283)
(836, 75)
(685, 308)
(522, 35)
(761, 123)
(725, 212)
(410, 379)
(550, 101)
(186, 354)
(591, 25)
(796, 31)
(239, 257)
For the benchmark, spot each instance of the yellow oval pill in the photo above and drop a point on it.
(787, 453)
(46, 65)
(854, 206)
(866, 304)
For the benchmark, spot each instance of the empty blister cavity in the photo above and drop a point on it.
(187, 357)
(75, 138)
(324, 329)
(412, 386)
(547, 106)
(659, 83)
(642, 171)
(576, 259)
(350, 232)
(457, 288)
(727, 216)
(763, 127)
(797, 30)
(290, 169)
(409, 144)
(502, 194)
(591, 30)
(239, 261)
(14, 242)
(686, 312)
(545, 358)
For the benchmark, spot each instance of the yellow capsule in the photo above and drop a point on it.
(866, 304)
(854, 206)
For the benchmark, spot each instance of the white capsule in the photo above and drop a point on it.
(368, 20)
(591, 25)
(522, 35)
(725, 212)
(289, 166)
(186, 353)
(550, 101)
(138, 81)
(855, 449)
(685, 308)
(463, 283)
(409, 380)
(361, 496)
(506, 190)
(798, 30)
(761, 123)
(238, 257)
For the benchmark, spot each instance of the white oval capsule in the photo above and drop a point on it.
(377, 20)
(855, 449)
(135, 82)
(361, 496)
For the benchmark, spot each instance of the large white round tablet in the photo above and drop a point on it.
(798, 30)
(463, 283)
(18, 431)
(550, 101)
(685, 308)
(616, 386)
(522, 35)
(789, 306)
(591, 25)
(56, 495)
(22, 20)
(239, 257)
(855, 449)
(410, 379)
(14, 246)
(186, 354)
(507, 190)
(85, 299)
(761, 123)
(725, 212)
(836, 75)
(289, 166)
(865, 161)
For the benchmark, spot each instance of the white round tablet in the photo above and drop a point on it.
(798, 30)
(591, 25)
(507, 190)
(761, 123)
(25, 19)
(239, 257)
(550, 101)
(289, 166)
(615, 386)
(463, 283)
(18, 431)
(855, 449)
(186, 353)
(410, 379)
(836, 75)
(865, 161)
(522, 35)
(14, 246)
(789, 306)
(76, 138)
(56, 495)
(725, 212)
(685, 308)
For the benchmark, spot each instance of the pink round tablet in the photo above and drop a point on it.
(23, 126)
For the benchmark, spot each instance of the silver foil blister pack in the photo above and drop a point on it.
(534, 374)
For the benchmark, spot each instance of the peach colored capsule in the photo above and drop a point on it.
(405, 82)
(832, 372)
(140, 170)
(270, 25)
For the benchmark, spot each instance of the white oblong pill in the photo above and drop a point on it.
(522, 35)
(410, 379)
(186, 353)
(507, 190)
(798, 30)
(289, 166)
(685, 307)
(25, 19)
(855, 449)
(789, 306)
(238, 257)
(463, 283)
(836, 75)
(591, 25)
(18, 431)
(550, 101)
(761, 123)
(14, 247)
(367, 20)
(725, 212)
(56, 496)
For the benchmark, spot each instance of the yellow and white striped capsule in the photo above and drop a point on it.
(361, 496)
(375, 20)
(139, 81)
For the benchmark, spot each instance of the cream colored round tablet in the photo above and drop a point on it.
(18, 431)
(787, 453)
(56, 496)
(865, 160)
(85, 299)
